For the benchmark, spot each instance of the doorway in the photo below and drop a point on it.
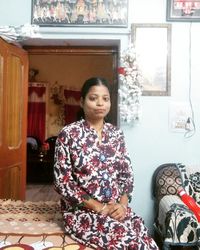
(66, 68)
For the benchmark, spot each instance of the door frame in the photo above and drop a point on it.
(87, 50)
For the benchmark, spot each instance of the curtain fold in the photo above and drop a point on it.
(72, 105)
(37, 110)
(36, 120)
(71, 113)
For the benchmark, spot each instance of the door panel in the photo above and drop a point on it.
(1, 96)
(14, 102)
(10, 178)
(13, 125)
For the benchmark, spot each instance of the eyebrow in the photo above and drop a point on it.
(98, 94)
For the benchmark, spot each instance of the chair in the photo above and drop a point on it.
(175, 223)
(39, 162)
(51, 141)
(33, 145)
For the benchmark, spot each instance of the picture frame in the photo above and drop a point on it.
(183, 11)
(152, 43)
(82, 13)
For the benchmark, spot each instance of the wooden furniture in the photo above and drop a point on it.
(40, 161)
(13, 120)
(40, 168)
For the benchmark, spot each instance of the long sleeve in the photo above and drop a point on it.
(65, 183)
(126, 178)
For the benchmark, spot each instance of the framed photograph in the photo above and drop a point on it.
(80, 13)
(152, 43)
(183, 10)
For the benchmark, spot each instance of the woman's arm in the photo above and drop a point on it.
(126, 177)
(64, 182)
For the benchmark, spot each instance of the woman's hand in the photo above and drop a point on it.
(117, 211)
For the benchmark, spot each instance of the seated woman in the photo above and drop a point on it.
(93, 175)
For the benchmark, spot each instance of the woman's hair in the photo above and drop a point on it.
(89, 83)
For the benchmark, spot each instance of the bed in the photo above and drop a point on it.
(33, 226)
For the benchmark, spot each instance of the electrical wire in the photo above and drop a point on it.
(190, 123)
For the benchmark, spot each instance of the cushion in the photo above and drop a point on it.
(176, 222)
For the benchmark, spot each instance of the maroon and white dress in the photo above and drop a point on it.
(86, 168)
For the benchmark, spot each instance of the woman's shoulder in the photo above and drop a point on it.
(72, 127)
(113, 128)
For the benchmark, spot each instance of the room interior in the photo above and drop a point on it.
(60, 72)
(151, 140)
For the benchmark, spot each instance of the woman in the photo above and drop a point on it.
(94, 176)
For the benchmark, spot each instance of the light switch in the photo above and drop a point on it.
(179, 112)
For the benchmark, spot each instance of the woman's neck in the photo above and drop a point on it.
(96, 124)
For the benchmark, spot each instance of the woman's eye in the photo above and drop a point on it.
(106, 99)
(92, 98)
(95, 98)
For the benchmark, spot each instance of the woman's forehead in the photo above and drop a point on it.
(99, 89)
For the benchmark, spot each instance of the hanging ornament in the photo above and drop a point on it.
(130, 89)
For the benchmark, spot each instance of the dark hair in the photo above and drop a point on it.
(89, 83)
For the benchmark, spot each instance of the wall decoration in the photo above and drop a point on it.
(130, 88)
(183, 10)
(153, 48)
(56, 111)
(80, 13)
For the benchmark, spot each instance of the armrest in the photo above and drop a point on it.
(165, 205)
(168, 200)
(175, 222)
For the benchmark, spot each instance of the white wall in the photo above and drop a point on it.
(150, 142)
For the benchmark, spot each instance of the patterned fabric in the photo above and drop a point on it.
(18, 246)
(191, 180)
(85, 168)
(33, 225)
(175, 222)
(166, 180)
(31, 217)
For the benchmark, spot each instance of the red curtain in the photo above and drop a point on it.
(39, 90)
(72, 105)
(37, 110)
(71, 112)
(36, 120)
(72, 94)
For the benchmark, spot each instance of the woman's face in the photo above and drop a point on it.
(97, 103)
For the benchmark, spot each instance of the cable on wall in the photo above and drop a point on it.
(190, 123)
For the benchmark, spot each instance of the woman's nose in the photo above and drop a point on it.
(100, 102)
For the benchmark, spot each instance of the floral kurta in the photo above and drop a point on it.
(85, 168)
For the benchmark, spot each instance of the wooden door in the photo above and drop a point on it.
(13, 120)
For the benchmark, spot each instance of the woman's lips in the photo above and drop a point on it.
(100, 110)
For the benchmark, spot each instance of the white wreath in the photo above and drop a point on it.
(130, 88)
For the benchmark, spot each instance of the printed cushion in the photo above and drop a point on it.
(177, 222)
(167, 180)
